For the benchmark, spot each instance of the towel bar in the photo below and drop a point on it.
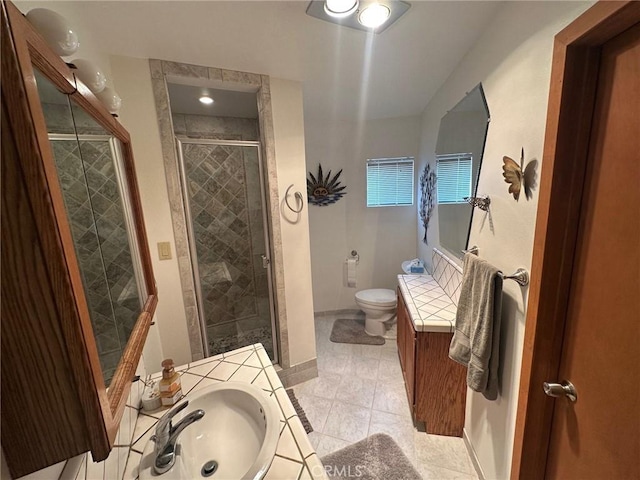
(521, 276)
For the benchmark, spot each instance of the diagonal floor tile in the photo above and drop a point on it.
(347, 422)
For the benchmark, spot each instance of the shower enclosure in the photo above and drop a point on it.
(223, 191)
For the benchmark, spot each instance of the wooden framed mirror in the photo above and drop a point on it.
(77, 283)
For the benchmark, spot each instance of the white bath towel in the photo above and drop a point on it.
(476, 340)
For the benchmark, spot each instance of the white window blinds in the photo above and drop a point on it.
(454, 177)
(389, 182)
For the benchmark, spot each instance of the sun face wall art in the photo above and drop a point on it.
(323, 191)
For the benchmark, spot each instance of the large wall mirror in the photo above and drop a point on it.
(459, 150)
(92, 177)
(77, 281)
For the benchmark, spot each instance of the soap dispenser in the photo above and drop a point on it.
(170, 385)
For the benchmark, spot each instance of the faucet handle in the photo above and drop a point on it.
(164, 424)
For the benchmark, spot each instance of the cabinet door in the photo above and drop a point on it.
(441, 389)
(50, 347)
(402, 328)
(410, 362)
(406, 348)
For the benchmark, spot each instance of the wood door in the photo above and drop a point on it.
(569, 181)
(598, 435)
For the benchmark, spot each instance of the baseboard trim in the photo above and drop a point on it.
(298, 373)
(472, 454)
(343, 311)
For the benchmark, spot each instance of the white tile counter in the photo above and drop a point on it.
(430, 308)
(295, 458)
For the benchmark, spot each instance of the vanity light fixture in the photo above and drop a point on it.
(55, 29)
(340, 8)
(206, 100)
(374, 15)
(371, 16)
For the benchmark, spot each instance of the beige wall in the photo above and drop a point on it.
(513, 62)
(383, 237)
(138, 115)
(288, 129)
(133, 82)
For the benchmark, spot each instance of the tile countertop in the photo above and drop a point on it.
(295, 457)
(430, 307)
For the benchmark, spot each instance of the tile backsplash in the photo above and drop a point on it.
(448, 274)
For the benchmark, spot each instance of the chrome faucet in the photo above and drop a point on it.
(167, 435)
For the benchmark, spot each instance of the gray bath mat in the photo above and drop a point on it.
(299, 411)
(351, 330)
(376, 457)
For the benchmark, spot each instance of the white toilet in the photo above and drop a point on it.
(379, 306)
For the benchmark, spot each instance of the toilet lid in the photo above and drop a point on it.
(377, 296)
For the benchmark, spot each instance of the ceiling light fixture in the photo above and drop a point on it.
(340, 8)
(370, 16)
(374, 15)
(206, 100)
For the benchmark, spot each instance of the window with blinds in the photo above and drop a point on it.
(454, 177)
(389, 182)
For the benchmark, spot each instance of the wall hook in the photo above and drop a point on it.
(482, 202)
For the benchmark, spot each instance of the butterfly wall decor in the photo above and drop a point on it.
(520, 177)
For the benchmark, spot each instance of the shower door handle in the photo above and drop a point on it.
(265, 261)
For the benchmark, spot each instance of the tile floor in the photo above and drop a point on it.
(359, 392)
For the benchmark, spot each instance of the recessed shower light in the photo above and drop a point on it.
(340, 8)
(206, 100)
(374, 15)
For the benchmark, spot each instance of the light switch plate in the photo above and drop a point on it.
(164, 250)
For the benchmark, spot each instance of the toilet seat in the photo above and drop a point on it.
(377, 297)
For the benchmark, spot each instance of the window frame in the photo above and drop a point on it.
(399, 177)
(454, 158)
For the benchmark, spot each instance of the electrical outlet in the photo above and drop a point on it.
(164, 250)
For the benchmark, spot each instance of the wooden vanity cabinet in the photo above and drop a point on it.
(407, 349)
(55, 404)
(436, 385)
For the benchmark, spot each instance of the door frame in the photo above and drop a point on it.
(574, 74)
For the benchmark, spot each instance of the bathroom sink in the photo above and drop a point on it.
(239, 432)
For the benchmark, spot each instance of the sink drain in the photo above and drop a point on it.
(209, 468)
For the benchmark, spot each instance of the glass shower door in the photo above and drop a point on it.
(224, 201)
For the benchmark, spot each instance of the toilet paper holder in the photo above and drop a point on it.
(353, 256)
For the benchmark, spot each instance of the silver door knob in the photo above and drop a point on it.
(265, 261)
(563, 389)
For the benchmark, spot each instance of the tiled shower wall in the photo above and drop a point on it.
(226, 211)
(94, 207)
(215, 128)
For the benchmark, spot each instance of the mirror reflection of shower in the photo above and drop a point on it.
(92, 178)
(224, 199)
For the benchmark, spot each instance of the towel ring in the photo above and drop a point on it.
(299, 198)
